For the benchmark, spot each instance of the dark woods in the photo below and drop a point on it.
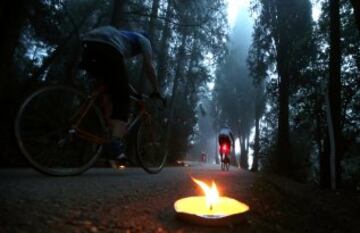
(314, 100)
(276, 93)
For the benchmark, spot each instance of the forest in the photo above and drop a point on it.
(287, 84)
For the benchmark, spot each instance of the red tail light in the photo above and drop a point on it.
(224, 148)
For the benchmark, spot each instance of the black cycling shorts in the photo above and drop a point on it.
(224, 139)
(105, 63)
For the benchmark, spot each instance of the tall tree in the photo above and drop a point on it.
(335, 84)
(164, 46)
(259, 111)
(118, 15)
(258, 63)
(286, 34)
(153, 19)
(282, 41)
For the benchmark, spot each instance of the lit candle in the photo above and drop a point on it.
(211, 209)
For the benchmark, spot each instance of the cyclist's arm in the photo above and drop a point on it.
(148, 67)
(150, 71)
(232, 138)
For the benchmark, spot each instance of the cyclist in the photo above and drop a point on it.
(203, 157)
(226, 137)
(105, 50)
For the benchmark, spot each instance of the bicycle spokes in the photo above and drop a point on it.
(151, 151)
(46, 136)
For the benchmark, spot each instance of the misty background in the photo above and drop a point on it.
(227, 87)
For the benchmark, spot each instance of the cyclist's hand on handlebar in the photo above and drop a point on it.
(157, 95)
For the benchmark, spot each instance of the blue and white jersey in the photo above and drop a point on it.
(128, 43)
(226, 132)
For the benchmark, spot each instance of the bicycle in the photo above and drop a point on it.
(224, 152)
(225, 164)
(61, 131)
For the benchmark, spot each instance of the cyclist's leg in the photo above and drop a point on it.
(107, 65)
(116, 82)
(116, 98)
(93, 62)
(118, 90)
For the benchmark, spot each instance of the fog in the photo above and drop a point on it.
(231, 87)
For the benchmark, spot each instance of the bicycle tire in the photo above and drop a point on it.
(42, 131)
(151, 149)
(227, 166)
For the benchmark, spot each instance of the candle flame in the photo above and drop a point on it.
(211, 194)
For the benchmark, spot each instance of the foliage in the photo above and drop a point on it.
(309, 58)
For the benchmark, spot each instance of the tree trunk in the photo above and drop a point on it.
(335, 83)
(118, 13)
(178, 74)
(243, 153)
(322, 144)
(356, 6)
(324, 164)
(246, 155)
(152, 34)
(282, 40)
(255, 165)
(283, 144)
(153, 20)
(189, 82)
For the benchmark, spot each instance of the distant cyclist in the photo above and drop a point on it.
(225, 137)
(203, 157)
(104, 51)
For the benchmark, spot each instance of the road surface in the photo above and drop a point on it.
(130, 200)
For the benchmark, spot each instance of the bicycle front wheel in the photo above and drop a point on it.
(151, 149)
(43, 128)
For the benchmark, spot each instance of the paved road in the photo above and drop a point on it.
(130, 200)
(106, 200)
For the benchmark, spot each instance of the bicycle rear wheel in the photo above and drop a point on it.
(227, 166)
(43, 128)
(151, 149)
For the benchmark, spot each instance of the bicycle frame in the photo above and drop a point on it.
(91, 99)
